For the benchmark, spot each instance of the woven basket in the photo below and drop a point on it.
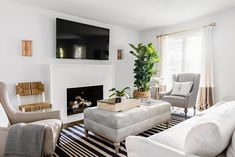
(139, 94)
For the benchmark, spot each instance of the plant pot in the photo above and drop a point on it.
(138, 94)
(121, 99)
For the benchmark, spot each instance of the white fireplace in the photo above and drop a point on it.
(63, 76)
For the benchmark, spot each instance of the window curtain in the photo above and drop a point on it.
(162, 65)
(206, 93)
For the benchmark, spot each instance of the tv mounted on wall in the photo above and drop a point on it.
(81, 41)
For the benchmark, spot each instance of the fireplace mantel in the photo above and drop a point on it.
(63, 76)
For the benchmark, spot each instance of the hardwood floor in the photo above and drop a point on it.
(72, 124)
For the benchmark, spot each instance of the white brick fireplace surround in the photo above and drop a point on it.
(70, 76)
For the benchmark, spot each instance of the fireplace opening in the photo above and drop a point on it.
(80, 98)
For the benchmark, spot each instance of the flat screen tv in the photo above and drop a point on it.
(81, 41)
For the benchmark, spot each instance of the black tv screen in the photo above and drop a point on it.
(81, 41)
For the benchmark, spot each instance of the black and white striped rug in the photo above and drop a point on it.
(73, 142)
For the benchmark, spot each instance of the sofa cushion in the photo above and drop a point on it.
(175, 136)
(181, 88)
(216, 127)
(231, 149)
(174, 100)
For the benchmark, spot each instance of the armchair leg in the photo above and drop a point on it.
(185, 112)
(194, 110)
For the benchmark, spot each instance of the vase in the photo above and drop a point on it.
(123, 98)
(119, 99)
(138, 94)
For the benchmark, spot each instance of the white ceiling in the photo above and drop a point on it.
(135, 14)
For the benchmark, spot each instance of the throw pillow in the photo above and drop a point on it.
(212, 134)
(181, 88)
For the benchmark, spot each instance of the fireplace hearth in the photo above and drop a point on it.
(80, 98)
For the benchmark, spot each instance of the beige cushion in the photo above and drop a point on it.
(231, 149)
(212, 133)
(181, 88)
(51, 134)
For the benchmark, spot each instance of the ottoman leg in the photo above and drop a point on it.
(167, 124)
(86, 132)
(117, 146)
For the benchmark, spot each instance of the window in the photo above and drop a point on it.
(183, 54)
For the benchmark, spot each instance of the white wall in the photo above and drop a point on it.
(224, 47)
(19, 21)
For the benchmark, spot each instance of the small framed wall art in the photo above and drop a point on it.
(27, 47)
(120, 54)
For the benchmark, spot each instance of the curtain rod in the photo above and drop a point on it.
(186, 30)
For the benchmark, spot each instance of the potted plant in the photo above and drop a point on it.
(146, 57)
(119, 93)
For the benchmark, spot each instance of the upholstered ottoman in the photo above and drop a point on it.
(116, 126)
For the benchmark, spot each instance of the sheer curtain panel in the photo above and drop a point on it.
(206, 98)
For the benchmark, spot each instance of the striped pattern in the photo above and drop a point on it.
(73, 142)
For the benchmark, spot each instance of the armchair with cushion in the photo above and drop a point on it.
(9, 116)
(187, 101)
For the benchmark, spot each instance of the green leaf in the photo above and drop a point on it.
(113, 89)
(112, 95)
(123, 90)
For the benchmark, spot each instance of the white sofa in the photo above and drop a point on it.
(208, 134)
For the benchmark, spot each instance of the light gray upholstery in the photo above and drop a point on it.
(183, 101)
(50, 119)
(118, 120)
(116, 126)
(118, 135)
(173, 99)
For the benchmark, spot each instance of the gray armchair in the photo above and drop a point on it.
(183, 101)
(9, 116)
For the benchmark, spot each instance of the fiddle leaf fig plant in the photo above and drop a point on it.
(146, 57)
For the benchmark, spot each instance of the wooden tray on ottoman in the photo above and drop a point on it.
(111, 105)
